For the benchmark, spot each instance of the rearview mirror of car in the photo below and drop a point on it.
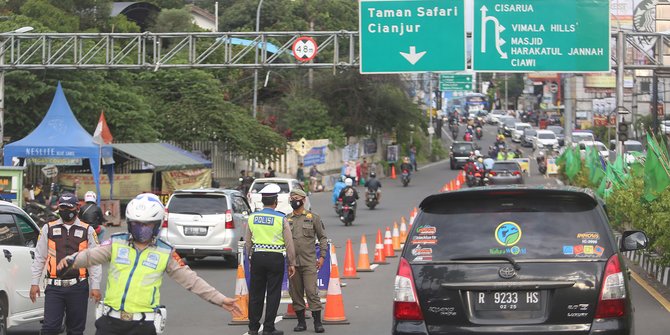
(633, 240)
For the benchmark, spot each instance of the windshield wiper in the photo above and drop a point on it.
(489, 258)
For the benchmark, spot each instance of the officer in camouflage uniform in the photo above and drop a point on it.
(305, 228)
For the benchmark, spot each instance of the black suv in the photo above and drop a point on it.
(503, 260)
(459, 152)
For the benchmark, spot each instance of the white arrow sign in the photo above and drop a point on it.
(412, 57)
(498, 29)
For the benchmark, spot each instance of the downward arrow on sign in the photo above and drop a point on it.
(412, 57)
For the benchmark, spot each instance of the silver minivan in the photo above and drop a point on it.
(206, 222)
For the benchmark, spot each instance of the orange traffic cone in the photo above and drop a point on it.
(393, 171)
(363, 258)
(290, 312)
(242, 296)
(349, 268)
(461, 177)
(413, 217)
(379, 249)
(388, 244)
(452, 185)
(395, 237)
(458, 185)
(334, 311)
(403, 232)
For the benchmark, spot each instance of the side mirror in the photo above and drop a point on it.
(108, 213)
(240, 179)
(633, 240)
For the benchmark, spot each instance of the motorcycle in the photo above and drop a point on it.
(371, 199)
(348, 213)
(338, 207)
(41, 214)
(405, 178)
(467, 137)
(541, 164)
(479, 133)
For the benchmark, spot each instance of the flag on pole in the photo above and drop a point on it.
(102, 135)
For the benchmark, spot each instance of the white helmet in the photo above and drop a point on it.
(146, 207)
(477, 153)
(90, 196)
(348, 182)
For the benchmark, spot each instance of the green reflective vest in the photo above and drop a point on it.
(134, 280)
(501, 156)
(511, 155)
(267, 230)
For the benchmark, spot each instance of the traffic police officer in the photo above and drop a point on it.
(66, 291)
(267, 239)
(137, 262)
(305, 227)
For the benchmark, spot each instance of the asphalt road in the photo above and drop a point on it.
(367, 301)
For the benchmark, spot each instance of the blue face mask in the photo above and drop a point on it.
(141, 233)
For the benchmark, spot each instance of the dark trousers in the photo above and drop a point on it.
(267, 272)
(73, 301)
(107, 325)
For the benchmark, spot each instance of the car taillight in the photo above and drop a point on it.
(230, 224)
(611, 302)
(165, 219)
(516, 173)
(493, 173)
(405, 305)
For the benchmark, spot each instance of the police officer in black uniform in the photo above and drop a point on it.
(268, 238)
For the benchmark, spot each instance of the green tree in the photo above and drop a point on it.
(308, 117)
(50, 16)
(173, 20)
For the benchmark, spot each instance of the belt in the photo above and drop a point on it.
(64, 282)
(125, 316)
(270, 247)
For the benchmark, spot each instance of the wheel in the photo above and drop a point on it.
(4, 310)
(452, 165)
(372, 206)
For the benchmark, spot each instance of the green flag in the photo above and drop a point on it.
(573, 162)
(656, 177)
(597, 175)
(619, 169)
(609, 183)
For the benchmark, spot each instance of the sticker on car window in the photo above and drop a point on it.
(582, 250)
(421, 251)
(424, 239)
(426, 230)
(588, 237)
(508, 234)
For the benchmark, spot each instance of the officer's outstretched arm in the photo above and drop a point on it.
(87, 258)
(190, 280)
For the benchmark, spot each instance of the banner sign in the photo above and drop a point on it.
(369, 146)
(126, 186)
(350, 152)
(322, 277)
(525, 164)
(552, 168)
(56, 161)
(316, 155)
(183, 179)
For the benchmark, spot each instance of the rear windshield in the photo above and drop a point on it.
(259, 186)
(522, 127)
(582, 137)
(521, 227)
(633, 147)
(198, 204)
(502, 166)
(530, 132)
(462, 147)
(509, 122)
(556, 130)
(546, 136)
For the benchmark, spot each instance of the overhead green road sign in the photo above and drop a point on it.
(455, 82)
(541, 35)
(411, 36)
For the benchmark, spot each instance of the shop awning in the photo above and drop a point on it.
(163, 156)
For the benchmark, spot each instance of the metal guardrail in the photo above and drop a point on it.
(35, 51)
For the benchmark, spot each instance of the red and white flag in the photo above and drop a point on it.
(102, 135)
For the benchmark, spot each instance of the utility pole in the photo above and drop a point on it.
(506, 104)
(568, 111)
(620, 59)
(634, 106)
(430, 111)
(258, 28)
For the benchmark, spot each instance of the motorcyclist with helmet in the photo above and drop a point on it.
(349, 195)
(337, 188)
(373, 185)
(91, 213)
(132, 298)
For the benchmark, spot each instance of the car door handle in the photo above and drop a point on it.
(8, 255)
(32, 254)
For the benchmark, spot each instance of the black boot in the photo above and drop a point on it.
(302, 324)
(318, 326)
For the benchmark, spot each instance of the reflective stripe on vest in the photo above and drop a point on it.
(134, 280)
(267, 231)
(63, 242)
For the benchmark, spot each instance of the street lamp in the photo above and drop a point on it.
(2, 79)
(258, 28)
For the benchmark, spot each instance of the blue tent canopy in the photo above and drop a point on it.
(60, 135)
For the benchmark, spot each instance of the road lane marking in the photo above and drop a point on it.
(374, 266)
(652, 291)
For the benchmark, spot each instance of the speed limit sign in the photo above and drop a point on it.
(304, 49)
